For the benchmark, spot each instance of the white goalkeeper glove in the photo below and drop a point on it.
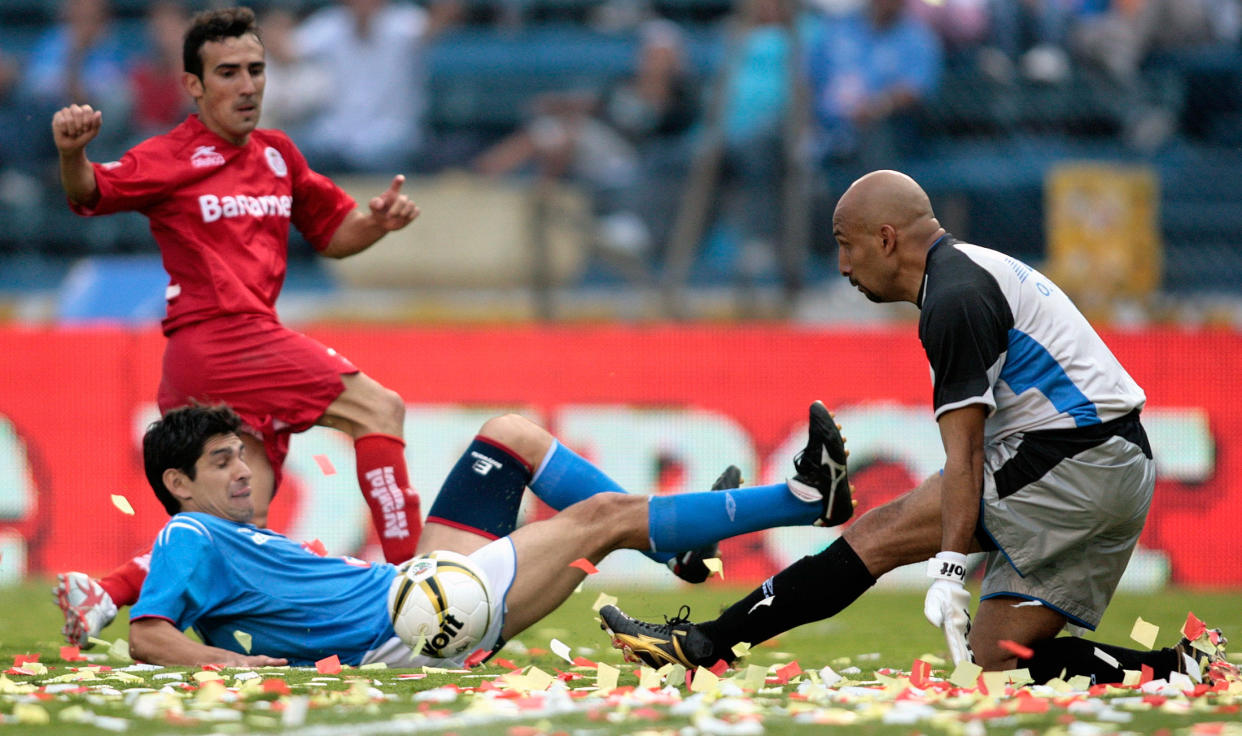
(947, 605)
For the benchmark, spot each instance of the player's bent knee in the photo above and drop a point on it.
(519, 435)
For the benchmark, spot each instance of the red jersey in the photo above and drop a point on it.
(221, 213)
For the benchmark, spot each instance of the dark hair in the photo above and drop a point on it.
(215, 25)
(177, 440)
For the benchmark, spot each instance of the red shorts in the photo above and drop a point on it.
(277, 380)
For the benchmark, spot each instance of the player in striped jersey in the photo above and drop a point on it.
(1047, 468)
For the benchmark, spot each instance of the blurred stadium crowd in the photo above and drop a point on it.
(711, 137)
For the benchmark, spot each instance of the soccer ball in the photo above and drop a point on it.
(440, 604)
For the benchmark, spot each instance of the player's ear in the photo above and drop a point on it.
(888, 238)
(177, 484)
(192, 84)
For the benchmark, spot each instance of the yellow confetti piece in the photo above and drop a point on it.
(1130, 678)
(207, 676)
(1145, 633)
(31, 714)
(122, 503)
(1019, 677)
(210, 692)
(603, 599)
(677, 676)
(1079, 682)
(704, 681)
(119, 649)
(244, 639)
(995, 682)
(606, 677)
(374, 666)
(966, 674)
(648, 679)
(754, 679)
(715, 565)
(538, 679)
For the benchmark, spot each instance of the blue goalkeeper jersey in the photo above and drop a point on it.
(235, 583)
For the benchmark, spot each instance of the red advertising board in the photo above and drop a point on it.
(660, 408)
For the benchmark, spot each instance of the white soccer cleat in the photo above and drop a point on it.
(87, 607)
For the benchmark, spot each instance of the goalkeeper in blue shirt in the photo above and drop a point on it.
(257, 598)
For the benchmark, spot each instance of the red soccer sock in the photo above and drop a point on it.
(385, 485)
(125, 582)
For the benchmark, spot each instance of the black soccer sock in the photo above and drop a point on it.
(1074, 656)
(815, 587)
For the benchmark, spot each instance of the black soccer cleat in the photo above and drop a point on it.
(689, 565)
(821, 469)
(676, 641)
(1200, 666)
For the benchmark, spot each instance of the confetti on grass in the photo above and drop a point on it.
(122, 503)
(329, 665)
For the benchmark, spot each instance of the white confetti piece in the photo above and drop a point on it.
(765, 602)
(1106, 658)
(122, 503)
(561, 649)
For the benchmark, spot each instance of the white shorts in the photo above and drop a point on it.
(498, 560)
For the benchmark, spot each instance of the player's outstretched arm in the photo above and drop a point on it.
(72, 128)
(156, 641)
(390, 211)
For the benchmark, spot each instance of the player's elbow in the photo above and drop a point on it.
(141, 645)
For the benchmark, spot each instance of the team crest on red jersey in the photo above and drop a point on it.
(276, 161)
(204, 156)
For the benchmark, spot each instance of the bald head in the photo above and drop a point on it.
(884, 226)
(886, 198)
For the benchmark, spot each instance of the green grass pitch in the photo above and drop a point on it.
(883, 630)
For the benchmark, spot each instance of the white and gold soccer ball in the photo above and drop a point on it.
(440, 604)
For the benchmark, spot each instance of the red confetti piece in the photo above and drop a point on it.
(72, 654)
(275, 685)
(1194, 628)
(1028, 703)
(719, 668)
(315, 547)
(581, 661)
(213, 668)
(788, 672)
(920, 674)
(325, 465)
(329, 665)
(1016, 649)
(584, 565)
(21, 659)
(476, 658)
(506, 664)
(1146, 674)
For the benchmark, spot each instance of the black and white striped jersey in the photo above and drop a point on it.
(999, 333)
